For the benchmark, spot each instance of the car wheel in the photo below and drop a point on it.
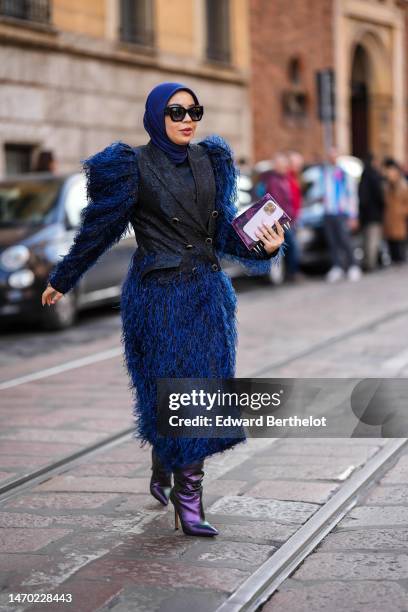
(276, 274)
(62, 314)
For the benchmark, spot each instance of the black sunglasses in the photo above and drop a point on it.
(177, 112)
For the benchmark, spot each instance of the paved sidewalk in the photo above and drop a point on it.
(46, 420)
(362, 565)
(287, 331)
(95, 532)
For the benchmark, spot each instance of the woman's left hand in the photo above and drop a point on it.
(271, 239)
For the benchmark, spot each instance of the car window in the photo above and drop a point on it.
(75, 200)
(28, 201)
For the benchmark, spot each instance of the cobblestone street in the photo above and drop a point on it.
(161, 163)
(363, 564)
(91, 528)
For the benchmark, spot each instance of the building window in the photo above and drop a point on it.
(294, 96)
(294, 70)
(18, 158)
(218, 31)
(29, 10)
(136, 22)
(294, 104)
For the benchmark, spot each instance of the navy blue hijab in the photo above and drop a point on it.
(154, 119)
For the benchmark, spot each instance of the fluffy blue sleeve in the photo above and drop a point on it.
(228, 244)
(112, 186)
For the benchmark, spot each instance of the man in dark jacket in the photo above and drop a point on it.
(371, 210)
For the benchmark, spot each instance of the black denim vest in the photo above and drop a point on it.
(174, 223)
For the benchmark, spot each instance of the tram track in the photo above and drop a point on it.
(15, 487)
(25, 481)
(259, 587)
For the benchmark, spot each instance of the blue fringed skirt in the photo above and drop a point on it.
(176, 326)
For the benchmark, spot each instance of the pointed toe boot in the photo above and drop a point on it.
(160, 481)
(186, 497)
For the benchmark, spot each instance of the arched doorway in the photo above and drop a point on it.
(381, 68)
(360, 101)
(371, 104)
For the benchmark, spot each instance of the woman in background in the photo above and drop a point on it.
(396, 210)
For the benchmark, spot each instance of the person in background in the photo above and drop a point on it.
(45, 162)
(259, 176)
(371, 211)
(279, 185)
(396, 210)
(243, 165)
(338, 219)
(296, 165)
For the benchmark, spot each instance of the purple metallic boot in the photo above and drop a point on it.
(160, 482)
(186, 496)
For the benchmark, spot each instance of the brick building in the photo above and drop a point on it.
(364, 42)
(74, 75)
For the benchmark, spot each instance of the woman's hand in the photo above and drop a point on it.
(50, 296)
(271, 239)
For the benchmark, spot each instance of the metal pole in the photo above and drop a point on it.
(326, 110)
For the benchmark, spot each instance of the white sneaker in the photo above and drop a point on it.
(334, 274)
(354, 273)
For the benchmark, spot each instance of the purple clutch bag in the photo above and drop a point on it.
(264, 210)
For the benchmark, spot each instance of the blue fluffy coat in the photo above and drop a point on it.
(183, 328)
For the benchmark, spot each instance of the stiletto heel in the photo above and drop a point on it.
(186, 497)
(160, 482)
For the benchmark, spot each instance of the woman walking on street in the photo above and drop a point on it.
(178, 307)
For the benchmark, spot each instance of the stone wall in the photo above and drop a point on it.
(74, 87)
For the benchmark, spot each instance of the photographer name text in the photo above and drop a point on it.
(268, 420)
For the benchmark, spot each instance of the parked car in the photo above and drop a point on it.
(39, 214)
